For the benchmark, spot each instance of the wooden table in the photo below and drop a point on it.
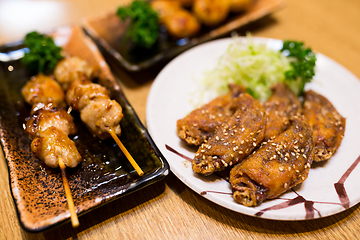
(169, 209)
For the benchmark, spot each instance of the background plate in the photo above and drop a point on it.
(108, 30)
(331, 187)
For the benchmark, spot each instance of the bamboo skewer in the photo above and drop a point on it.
(70, 201)
(125, 151)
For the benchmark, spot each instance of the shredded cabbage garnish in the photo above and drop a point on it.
(250, 64)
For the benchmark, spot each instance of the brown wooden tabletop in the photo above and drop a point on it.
(168, 209)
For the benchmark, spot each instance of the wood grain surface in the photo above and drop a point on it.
(169, 209)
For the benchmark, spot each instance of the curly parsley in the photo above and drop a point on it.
(42, 55)
(302, 61)
(144, 28)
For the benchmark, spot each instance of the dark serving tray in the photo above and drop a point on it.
(107, 31)
(104, 175)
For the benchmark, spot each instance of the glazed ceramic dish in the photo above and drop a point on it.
(105, 173)
(108, 30)
(331, 187)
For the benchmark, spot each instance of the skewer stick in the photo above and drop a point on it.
(73, 215)
(125, 151)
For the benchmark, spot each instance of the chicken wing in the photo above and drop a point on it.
(327, 124)
(233, 140)
(280, 107)
(201, 123)
(276, 166)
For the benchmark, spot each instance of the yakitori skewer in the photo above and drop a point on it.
(49, 126)
(70, 201)
(98, 112)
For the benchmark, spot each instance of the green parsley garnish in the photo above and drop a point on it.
(302, 61)
(144, 28)
(43, 54)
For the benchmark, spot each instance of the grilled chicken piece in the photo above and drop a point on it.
(280, 107)
(83, 91)
(276, 166)
(201, 123)
(42, 90)
(68, 69)
(51, 144)
(235, 139)
(48, 117)
(100, 115)
(327, 124)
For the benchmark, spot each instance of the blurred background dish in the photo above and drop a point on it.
(108, 30)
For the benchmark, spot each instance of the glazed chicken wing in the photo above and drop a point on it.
(233, 140)
(275, 167)
(327, 124)
(201, 123)
(280, 107)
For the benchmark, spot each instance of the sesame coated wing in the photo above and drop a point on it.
(280, 107)
(327, 124)
(276, 166)
(233, 140)
(201, 123)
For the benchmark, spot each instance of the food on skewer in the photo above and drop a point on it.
(199, 125)
(280, 107)
(42, 90)
(49, 127)
(49, 116)
(98, 112)
(235, 139)
(53, 144)
(275, 167)
(327, 124)
(67, 69)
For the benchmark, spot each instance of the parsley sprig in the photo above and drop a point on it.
(303, 62)
(43, 54)
(144, 28)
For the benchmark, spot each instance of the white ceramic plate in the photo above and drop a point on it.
(170, 99)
